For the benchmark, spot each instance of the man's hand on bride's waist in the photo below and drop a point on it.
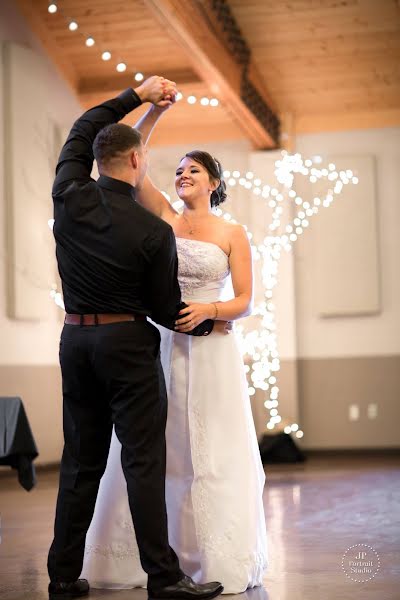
(195, 313)
(192, 315)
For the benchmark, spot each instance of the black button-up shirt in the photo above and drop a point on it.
(113, 255)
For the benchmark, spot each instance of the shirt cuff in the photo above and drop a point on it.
(129, 100)
(205, 328)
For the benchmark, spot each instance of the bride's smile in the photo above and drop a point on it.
(192, 180)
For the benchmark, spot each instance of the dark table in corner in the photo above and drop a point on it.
(17, 445)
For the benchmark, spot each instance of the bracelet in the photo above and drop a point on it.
(216, 309)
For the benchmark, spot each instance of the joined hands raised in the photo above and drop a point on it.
(159, 91)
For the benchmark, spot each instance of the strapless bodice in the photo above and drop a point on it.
(203, 268)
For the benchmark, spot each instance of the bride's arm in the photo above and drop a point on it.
(148, 195)
(240, 262)
(148, 121)
(242, 280)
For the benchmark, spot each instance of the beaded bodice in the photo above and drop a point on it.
(203, 270)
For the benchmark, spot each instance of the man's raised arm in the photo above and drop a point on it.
(76, 159)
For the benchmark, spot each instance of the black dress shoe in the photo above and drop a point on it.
(187, 589)
(67, 590)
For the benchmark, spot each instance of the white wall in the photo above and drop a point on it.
(359, 335)
(19, 339)
(29, 350)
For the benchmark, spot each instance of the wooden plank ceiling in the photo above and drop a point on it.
(320, 64)
(333, 64)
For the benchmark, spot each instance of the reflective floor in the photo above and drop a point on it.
(334, 533)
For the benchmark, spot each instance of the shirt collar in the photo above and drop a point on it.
(116, 185)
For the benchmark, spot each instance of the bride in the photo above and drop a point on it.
(215, 479)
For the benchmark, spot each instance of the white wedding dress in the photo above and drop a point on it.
(215, 478)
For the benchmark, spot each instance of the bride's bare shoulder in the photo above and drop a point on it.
(231, 228)
(231, 235)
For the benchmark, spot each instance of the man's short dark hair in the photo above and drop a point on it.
(113, 141)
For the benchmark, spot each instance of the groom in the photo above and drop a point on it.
(118, 265)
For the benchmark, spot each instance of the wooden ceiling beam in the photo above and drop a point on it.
(239, 89)
(98, 85)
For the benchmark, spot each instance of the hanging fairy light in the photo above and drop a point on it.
(57, 296)
(259, 347)
(121, 65)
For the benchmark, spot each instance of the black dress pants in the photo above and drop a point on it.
(112, 374)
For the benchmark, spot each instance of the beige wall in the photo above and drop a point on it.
(329, 386)
(326, 388)
(29, 350)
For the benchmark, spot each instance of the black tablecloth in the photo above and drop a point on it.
(17, 446)
(279, 448)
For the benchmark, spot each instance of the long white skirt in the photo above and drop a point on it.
(214, 482)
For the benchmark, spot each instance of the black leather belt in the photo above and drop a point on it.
(101, 319)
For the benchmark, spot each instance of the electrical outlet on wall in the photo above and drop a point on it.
(372, 410)
(354, 412)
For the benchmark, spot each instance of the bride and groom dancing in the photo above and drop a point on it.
(124, 464)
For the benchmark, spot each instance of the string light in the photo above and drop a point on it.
(57, 296)
(122, 66)
(259, 346)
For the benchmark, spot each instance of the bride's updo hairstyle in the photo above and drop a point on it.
(214, 170)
